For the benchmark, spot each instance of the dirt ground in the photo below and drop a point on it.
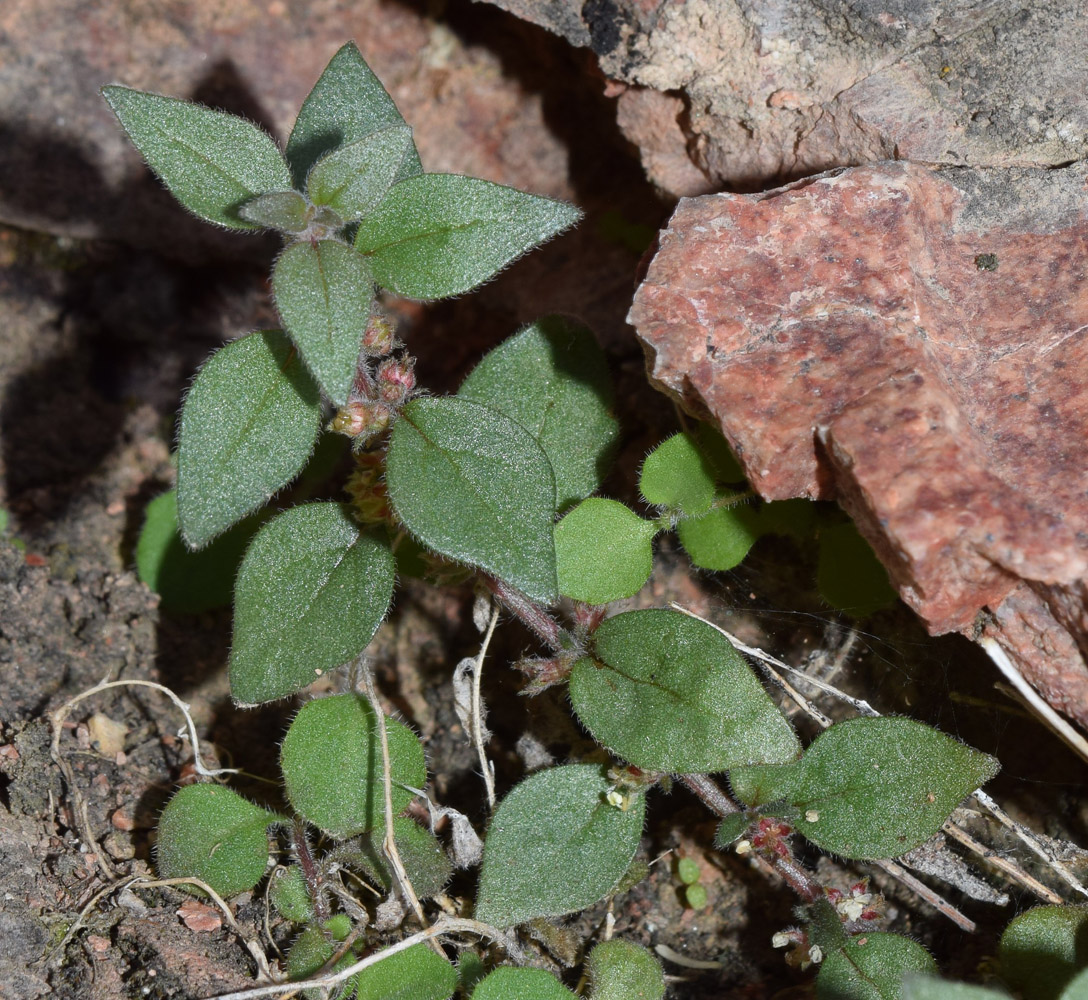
(100, 338)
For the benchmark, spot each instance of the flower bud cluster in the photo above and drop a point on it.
(366, 487)
(857, 905)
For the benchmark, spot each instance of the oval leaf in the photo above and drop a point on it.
(604, 551)
(720, 539)
(871, 967)
(555, 845)
(352, 179)
(347, 103)
(323, 293)
(669, 693)
(247, 428)
(551, 378)
(186, 581)
(870, 788)
(918, 986)
(426, 864)
(286, 211)
(438, 235)
(623, 970)
(677, 476)
(211, 833)
(476, 487)
(1041, 950)
(416, 973)
(212, 162)
(310, 595)
(508, 983)
(308, 954)
(331, 760)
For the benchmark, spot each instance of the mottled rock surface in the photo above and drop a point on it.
(777, 89)
(913, 343)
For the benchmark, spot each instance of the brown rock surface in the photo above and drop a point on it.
(777, 89)
(913, 343)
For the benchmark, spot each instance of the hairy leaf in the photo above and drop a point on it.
(331, 760)
(286, 211)
(310, 595)
(869, 788)
(551, 378)
(422, 855)
(871, 967)
(677, 476)
(1041, 950)
(720, 539)
(669, 693)
(323, 293)
(188, 582)
(476, 487)
(918, 986)
(290, 896)
(351, 180)
(212, 162)
(555, 845)
(417, 973)
(438, 235)
(604, 551)
(309, 952)
(247, 428)
(509, 983)
(347, 103)
(623, 970)
(211, 833)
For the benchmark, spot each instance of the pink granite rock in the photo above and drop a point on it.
(913, 343)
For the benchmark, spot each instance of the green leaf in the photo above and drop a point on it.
(604, 551)
(849, 575)
(416, 973)
(509, 983)
(869, 788)
(347, 103)
(670, 693)
(720, 539)
(331, 760)
(871, 967)
(1077, 987)
(323, 293)
(290, 896)
(475, 487)
(211, 833)
(286, 211)
(551, 378)
(918, 986)
(424, 860)
(351, 180)
(247, 428)
(731, 829)
(470, 970)
(438, 235)
(308, 953)
(188, 582)
(211, 162)
(310, 595)
(555, 845)
(1041, 950)
(623, 970)
(677, 476)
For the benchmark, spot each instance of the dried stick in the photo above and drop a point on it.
(477, 711)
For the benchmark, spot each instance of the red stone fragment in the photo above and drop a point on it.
(914, 344)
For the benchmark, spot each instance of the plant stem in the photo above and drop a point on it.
(530, 614)
(310, 872)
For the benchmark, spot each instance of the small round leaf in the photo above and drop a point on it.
(1041, 950)
(604, 551)
(720, 539)
(871, 967)
(417, 973)
(509, 983)
(623, 970)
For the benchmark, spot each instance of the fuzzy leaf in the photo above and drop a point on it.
(720, 539)
(623, 970)
(871, 967)
(849, 575)
(438, 235)
(669, 693)
(308, 953)
(414, 974)
(551, 378)
(731, 829)
(323, 293)
(918, 986)
(248, 426)
(555, 845)
(604, 551)
(1041, 950)
(211, 162)
(677, 476)
(351, 180)
(211, 833)
(509, 983)
(475, 487)
(310, 595)
(286, 211)
(347, 103)
(189, 582)
(424, 859)
(869, 788)
(290, 896)
(331, 760)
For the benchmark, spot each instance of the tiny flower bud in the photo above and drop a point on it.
(816, 954)
(379, 338)
(396, 379)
